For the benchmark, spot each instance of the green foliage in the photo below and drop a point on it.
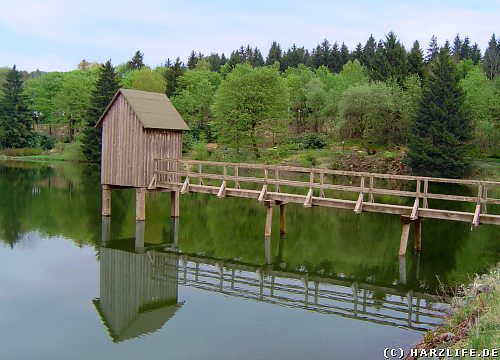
(105, 89)
(136, 63)
(377, 113)
(41, 92)
(483, 103)
(442, 129)
(144, 79)
(309, 141)
(249, 101)
(42, 141)
(15, 118)
(22, 151)
(194, 99)
(72, 101)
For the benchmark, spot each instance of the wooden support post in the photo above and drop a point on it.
(222, 190)
(236, 175)
(105, 229)
(200, 179)
(267, 249)
(263, 193)
(282, 219)
(174, 231)
(475, 220)
(308, 201)
(370, 191)
(354, 288)
(276, 177)
(358, 209)
(404, 237)
(140, 204)
(484, 208)
(321, 182)
(269, 220)
(426, 189)
(402, 269)
(139, 236)
(414, 211)
(185, 186)
(174, 203)
(106, 200)
(417, 235)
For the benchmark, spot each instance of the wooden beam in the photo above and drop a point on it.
(414, 211)
(174, 203)
(404, 239)
(263, 193)
(152, 183)
(106, 200)
(475, 220)
(358, 209)
(222, 190)
(185, 186)
(269, 221)
(308, 201)
(140, 204)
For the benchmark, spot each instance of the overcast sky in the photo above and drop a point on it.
(56, 34)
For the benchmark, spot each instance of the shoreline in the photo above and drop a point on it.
(473, 322)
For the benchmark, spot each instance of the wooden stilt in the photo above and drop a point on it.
(402, 269)
(106, 200)
(105, 230)
(174, 203)
(140, 204)
(404, 238)
(174, 231)
(282, 219)
(267, 248)
(269, 221)
(418, 235)
(139, 235)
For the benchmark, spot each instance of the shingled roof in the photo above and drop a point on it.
(154, 110)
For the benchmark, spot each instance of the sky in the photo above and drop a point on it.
(55, 35)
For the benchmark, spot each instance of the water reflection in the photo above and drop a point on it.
(139, 287)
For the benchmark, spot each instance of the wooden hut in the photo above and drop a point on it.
(137, 128)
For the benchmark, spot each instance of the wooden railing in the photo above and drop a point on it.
(239, 180)
(313, 293)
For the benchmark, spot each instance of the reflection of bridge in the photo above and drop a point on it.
(139, 288)
(372, 303)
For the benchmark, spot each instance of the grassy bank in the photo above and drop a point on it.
(61, 152)
(350, 157)
(474, 320)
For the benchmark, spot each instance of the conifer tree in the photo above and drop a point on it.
(15, 118)
(344, 55)
(172, 76)
(416, 60)
(369, 52)
(274, 54)
(432, 50)
(357, 54)
(442, 129)
(492, 58)
(192, 60)
(137, 61)
(107, 85)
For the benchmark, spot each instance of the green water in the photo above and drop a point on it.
(211, 287)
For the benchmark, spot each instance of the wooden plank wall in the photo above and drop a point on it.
(162, 144)
(122, 153)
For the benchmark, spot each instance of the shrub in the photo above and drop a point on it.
(43, 141)
(309, 141)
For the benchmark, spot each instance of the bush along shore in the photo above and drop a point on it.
(473, 323)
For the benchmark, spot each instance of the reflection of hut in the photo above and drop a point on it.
(138, 292)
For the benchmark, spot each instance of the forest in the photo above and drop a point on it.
(437, 109)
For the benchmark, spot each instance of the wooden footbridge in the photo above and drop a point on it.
(142, 147)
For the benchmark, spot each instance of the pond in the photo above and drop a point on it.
(74, 285)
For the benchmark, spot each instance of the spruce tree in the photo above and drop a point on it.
(274, 54)
(416, 60)
(137, 61)
(442, 129)
(107, 85)
(172, 76)
(15, 117)
(433, 49)
(491, 62)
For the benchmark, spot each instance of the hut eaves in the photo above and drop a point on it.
(154, 110)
